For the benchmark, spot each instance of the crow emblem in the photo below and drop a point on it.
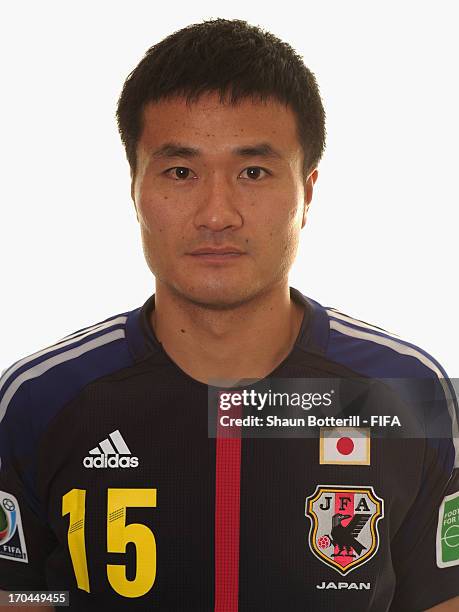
(344, 525)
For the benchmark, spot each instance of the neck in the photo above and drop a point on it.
(247, 341)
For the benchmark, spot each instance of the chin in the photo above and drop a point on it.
(218, 298)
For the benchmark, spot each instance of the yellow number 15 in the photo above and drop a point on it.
(118, 536)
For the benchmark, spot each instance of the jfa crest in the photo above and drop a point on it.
(344, 525)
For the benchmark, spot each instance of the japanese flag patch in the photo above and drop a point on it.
(344, 446)
(12, 542)
(448, 531)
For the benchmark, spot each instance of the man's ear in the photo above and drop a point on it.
(133, 194)
(305, 214)
(308, 190)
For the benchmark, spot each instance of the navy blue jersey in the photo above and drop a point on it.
(112, 488)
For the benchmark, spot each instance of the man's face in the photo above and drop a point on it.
(215, 176)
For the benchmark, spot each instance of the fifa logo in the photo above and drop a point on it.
(12, 543)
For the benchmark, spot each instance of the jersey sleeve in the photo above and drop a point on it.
(425, 551)
(25, 538)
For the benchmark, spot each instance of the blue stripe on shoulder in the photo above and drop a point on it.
(382, 356)
(62, 346)
(36, 389)
(378, 354)
(32, 394)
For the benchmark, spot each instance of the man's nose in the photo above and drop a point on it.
(217, 207)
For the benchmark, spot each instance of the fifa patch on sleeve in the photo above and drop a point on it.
(448, 532)
(12, 542)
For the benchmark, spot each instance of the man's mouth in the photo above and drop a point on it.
(217, 251)
(217, 255)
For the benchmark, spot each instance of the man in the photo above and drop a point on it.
(114, 486)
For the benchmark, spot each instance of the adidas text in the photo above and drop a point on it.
(110, 461)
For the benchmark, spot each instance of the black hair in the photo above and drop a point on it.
(233, 58)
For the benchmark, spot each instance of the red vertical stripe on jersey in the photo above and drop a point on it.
(344, 504)
(227, 509)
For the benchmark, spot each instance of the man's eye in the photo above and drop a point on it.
(254, 172)
(178, 173)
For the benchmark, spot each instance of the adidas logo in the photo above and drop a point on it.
(113, 452)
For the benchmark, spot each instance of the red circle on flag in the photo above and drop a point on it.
(345, 446)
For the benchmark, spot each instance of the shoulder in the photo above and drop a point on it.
(370, 350)
(375, 351)
(33, 388)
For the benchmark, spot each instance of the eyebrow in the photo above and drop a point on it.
(175, 149)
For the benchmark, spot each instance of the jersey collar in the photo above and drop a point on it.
(312, 336)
